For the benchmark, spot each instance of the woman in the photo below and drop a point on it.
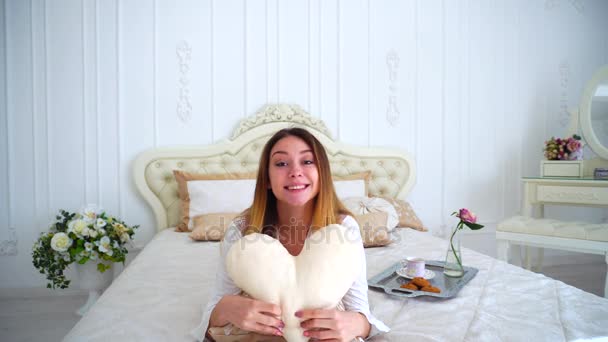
(294, 196)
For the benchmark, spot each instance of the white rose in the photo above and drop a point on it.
(61, 242)
(77, 226)
(93, 233)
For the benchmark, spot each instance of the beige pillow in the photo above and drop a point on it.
(374, 231)
(201, 194)
(211, 227)
(407, 215)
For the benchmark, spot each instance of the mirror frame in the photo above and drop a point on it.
(585, 112)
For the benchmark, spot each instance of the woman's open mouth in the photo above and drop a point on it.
(298, 187)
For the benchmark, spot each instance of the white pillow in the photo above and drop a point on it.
(219, 196)
(350, 188)
(317, 278)
(363, 205)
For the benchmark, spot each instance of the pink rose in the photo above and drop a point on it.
(573, 145)
(467, 216)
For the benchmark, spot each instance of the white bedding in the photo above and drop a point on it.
(160, 296)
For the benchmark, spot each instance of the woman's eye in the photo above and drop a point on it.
(279, 164)
(308, 162)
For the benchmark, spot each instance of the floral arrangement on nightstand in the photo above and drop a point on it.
(564, 148)
(88, 236)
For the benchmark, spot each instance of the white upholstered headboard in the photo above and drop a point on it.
(393, 172)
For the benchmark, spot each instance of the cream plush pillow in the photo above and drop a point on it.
(317, 278)
(211, 227)
(201, 194)
(366, 205)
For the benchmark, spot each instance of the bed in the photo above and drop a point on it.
(161, 294)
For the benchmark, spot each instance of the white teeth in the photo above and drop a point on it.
(296, 187)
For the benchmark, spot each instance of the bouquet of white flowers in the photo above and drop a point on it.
(89, 235)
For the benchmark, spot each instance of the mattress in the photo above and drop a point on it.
(161, 294)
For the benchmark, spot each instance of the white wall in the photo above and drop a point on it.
(471, 88)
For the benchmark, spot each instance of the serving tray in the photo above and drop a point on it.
(390, 282)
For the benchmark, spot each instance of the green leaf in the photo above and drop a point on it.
(473, 226)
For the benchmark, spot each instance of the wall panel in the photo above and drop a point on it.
(108, 83)
(329, 65)
(392, 68)
(135, 129)
(182, 49)
(5, 196)
(430, 109)
(353, 92)
(65, 97)
(228, 66)
(256, 72)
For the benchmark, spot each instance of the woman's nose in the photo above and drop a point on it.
(295, 171)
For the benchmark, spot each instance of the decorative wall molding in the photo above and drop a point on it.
(392, 64)
(9, 247)
(279, 113)
(184, 106)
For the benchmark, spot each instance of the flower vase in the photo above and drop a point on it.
(92, 280)
(453, 258)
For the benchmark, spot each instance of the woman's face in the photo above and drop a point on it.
(294, 177)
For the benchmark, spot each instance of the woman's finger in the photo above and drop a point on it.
(315, 323)
(321, 334)
(266, 330)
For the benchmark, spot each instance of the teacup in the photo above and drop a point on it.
(415, 266)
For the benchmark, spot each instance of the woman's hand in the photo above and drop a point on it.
(333, 325)
(248, 314)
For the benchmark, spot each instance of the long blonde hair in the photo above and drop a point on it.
(263, 212)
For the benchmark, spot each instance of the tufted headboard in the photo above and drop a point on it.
(393, 172)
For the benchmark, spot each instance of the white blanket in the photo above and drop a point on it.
(160, 296)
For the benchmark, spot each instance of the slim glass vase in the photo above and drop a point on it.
(453, 259)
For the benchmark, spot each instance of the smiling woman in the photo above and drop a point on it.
(294, 197)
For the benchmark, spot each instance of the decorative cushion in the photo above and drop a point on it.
(317, 278)
(372, 226)
(211, 227)
(201, 194)
(355, 185)
(407, 215)
(366, 205)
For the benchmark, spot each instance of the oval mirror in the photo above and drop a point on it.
(594, 112)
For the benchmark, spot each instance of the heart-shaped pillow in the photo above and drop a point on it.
(317, 278)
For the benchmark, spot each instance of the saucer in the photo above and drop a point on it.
(428, 274)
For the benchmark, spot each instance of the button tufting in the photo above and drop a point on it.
(254, 147)
(180, 164)
(363, 163)
(380, 162)
(157, 164)
(397, 164)
(243, 164)
(343, 162)
(203, 164)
